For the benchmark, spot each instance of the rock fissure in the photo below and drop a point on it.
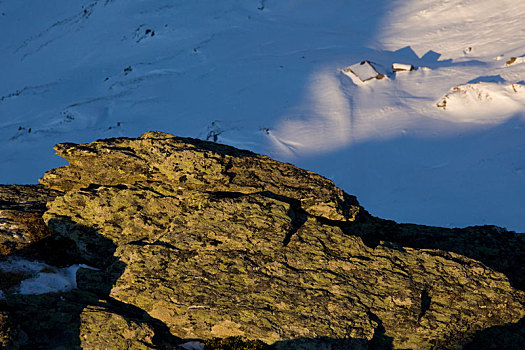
(143, 243)
(425, 303)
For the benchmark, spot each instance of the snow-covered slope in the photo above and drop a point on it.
(268, 75)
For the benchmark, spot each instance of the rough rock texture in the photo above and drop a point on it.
(214, 242)
(21, 209)
(501, 250)
(159, 159)
(79, 320)
(76, 320)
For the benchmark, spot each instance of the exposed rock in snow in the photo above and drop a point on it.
(365, 70)
(484, 98)
(515, 60)
(401, 67)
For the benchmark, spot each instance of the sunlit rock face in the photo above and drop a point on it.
(212, 241)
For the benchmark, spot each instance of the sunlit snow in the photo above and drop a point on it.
(270, 79)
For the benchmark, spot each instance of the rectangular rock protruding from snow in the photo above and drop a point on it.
(364, 70)
(401, 67)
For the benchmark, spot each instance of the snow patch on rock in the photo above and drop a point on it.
(364, 70)
(44, 278)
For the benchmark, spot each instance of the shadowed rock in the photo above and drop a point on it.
(84, 318)
(21, 209)
(8, 332)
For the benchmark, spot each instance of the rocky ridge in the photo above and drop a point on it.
(196, 240)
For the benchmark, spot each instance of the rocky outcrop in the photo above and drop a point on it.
(195, 240)
(216, 242)
(164, 161)
(21, 209)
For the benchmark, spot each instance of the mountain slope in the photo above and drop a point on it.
(267, 76)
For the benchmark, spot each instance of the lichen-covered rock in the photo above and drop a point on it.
(235, 343)
(217, 242)
(494, 246)
(103, 329)
(21, 209)
(161, 159)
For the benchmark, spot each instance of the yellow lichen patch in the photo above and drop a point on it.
(103, 329)
(163, 312)
(226, 329)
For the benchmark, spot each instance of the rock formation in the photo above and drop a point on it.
(21, 209)
(196, 240)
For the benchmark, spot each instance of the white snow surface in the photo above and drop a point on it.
(265, 75)
(44, 278)
(484, 101)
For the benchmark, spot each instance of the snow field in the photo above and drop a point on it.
(268, 76)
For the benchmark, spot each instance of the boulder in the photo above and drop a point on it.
(483, 99)
(514, 60)
(215, 242)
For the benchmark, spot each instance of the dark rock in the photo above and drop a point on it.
(501, 250)
(8, 332)
(21, 209)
